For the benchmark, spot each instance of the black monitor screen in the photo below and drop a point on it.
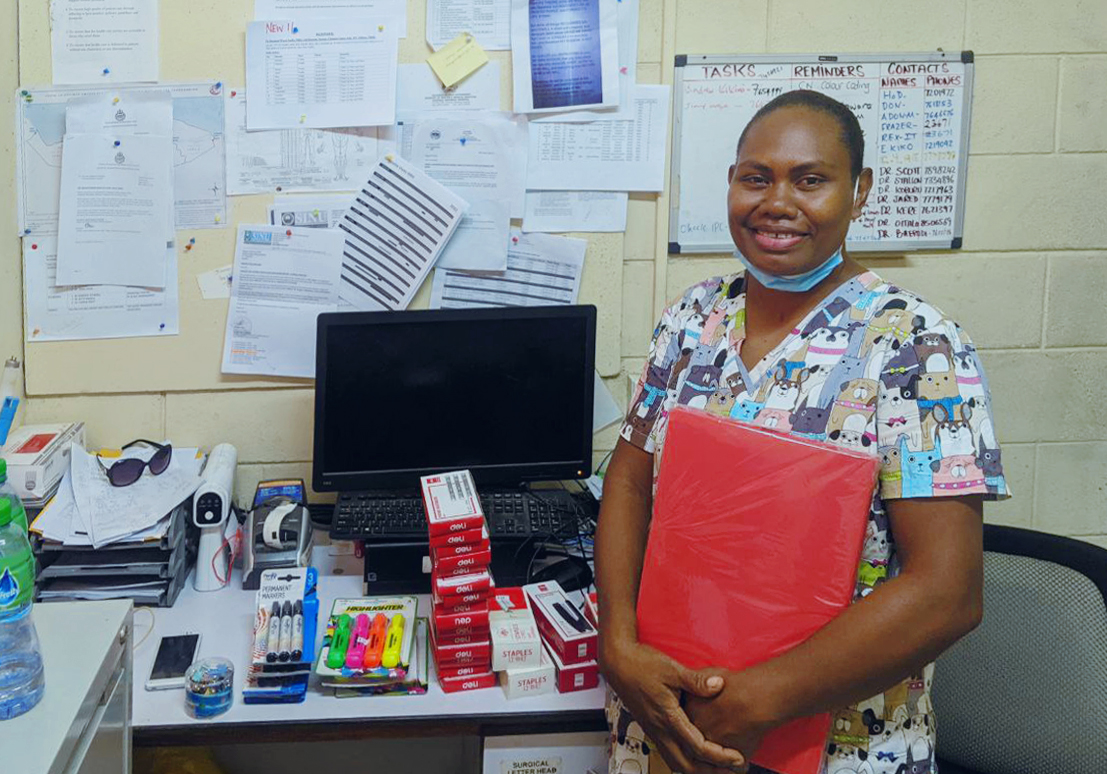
(506, 393)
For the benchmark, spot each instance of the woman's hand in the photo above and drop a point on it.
(736, 716)
(650, 684)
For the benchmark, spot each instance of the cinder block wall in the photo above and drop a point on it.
(1030, 284)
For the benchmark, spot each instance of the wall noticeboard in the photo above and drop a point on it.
(914, 110)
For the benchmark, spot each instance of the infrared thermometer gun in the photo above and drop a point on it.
(211, 507)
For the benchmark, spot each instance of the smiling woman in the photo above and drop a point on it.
(808, 342)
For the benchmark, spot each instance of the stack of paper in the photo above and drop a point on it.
(88, 511)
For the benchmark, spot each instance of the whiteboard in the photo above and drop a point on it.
(913, 108)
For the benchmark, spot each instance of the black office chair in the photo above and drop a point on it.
(1026, 693)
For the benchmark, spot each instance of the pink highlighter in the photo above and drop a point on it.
(359, 638)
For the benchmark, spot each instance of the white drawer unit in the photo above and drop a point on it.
(83, 723)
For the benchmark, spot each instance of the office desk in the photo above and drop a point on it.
(224, 620)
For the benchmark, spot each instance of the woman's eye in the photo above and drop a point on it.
(755, 180)
(810, 181)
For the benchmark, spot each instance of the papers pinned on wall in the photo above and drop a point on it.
(198, 153)
(395, 230)
(320, 73)
(346, 9)
(604, 155)
(555, 211)
(291, 160)
(542, 270)
(284, 278)
(564, 54)
(488, 20)
(457, 60)
(420, 91)
(97, 42)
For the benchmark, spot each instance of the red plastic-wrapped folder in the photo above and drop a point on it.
(754, 546)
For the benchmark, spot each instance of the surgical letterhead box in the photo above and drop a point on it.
(563, 627)
(38, 456)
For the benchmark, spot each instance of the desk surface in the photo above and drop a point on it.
(76, 639)
(224, 620)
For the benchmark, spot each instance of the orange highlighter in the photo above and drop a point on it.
(391, 656)
(378, 633)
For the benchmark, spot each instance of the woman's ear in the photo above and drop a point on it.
(730, 174)
(864, 185)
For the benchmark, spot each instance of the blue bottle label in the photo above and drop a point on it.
(17, 581)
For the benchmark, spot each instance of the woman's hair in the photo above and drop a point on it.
(851, 135)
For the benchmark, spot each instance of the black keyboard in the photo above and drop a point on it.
(390, 517)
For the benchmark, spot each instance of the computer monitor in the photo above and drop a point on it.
(504, 392)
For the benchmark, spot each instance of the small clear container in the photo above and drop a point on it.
(209, 687)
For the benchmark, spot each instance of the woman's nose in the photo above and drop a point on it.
(778, 201)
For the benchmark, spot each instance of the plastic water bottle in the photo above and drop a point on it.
(21, 676)
(7, 492)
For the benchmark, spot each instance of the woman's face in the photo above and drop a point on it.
(791, 198)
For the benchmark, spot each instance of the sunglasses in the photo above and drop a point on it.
(127, 471)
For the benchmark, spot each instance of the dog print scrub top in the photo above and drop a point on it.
(872, 368)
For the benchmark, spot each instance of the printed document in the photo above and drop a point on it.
(198, 158)
(345, 9)
(564, 54)
(310, 211)
(420, 91)
(104, 42)
(628, 71)
(542, 270)
(488, 20)
(216, 283)
(283, 279)
(395, 230)
(115, 210)
(320, 73)
(575, 211)
(466, 156)
(143, 112)
(294, 159)
(66, 313)
(604, 155)
(110, 513)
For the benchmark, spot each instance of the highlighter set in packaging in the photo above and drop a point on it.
(372, 646)
(284, 636)
(460, 582)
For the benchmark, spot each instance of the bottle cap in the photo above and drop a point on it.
(3, 470)
(5, 511)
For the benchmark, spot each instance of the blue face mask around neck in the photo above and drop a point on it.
(793, 283)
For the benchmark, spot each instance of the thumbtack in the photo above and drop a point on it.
(117, 143)
(295, 30)
(288, 233)
(106, 71)
(462, 140)
(380, 28)
(26, 231)
(219, 84)
(315, 213)
(218, 219)
(187, 248)
(24, 92)
(278, 188)
(622, 70)
(36, 331)
(161, 327)
(234, 93)
(192, 241)
(34, 246)
(303, 118)
(515, 240)
(390, 157)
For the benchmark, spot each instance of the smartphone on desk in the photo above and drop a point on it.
(175, 655)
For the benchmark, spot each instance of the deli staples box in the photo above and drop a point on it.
(563, 627)
(451, 503)
(38, 456)
(532, 680)
(574, 677)
(470, 537)
(467, 682)
(516, 643)
(461, 585)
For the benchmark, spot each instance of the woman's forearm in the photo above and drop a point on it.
(621, 533)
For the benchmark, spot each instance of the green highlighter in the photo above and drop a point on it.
(340, 642)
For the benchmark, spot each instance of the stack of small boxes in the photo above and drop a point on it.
(517, 651)
(460, 582)
(570, 638)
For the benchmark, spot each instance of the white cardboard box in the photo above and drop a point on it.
(38, 456)
(532, 680)
(516, 643)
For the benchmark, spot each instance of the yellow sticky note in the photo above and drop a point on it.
(458, 59)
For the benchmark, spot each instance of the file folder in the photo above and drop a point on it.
(754, 546)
